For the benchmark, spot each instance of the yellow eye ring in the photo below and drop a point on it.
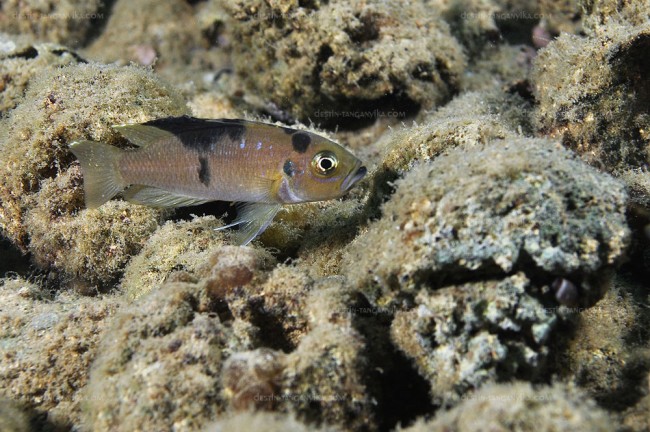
(324, 163)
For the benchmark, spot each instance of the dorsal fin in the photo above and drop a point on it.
(142, 135)
(178, 125)
(194, 133)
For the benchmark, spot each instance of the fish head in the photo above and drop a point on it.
(324, 171)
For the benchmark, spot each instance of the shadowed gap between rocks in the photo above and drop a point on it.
(458, 275)
(13, 261)
(99, 22)
(402, 394)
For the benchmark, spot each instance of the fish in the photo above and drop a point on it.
(187, 161)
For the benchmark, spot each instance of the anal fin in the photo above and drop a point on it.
(156, 197)
(252, 219)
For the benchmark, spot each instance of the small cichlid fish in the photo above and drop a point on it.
(185, 161)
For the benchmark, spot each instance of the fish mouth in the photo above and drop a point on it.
(357, 174)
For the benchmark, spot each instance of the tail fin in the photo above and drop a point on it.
(102, 180)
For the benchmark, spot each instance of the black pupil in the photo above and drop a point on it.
(326, 164)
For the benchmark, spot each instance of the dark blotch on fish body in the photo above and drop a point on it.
(204, 171)
(288, 168)
(200, 134)
(300, 142)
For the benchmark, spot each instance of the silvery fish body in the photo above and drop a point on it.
(183, 161)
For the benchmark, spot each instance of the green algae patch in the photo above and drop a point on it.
(41, 198)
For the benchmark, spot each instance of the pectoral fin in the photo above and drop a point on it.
(155, 197)
(252, 219)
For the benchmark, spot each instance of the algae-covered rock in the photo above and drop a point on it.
(41, 195)
(159, 365)
(47, 346)
(516, 204)
(557, 17)
(68, 22)
(175, 247)
(313, 362)
(519, 406)
(310, 58)
(606, 352)
(142, 32)
(462, 336)
(473, 118)
(276, 306)
(636, 418)
(323, 230)
(187, 352)
(602, 12)
(12, 417)
(182, 41)
(324, 378)
(592, 92)
(504, 67)
(472, 22)
(21, 59)
(255, 421)
(79, 245)
(251, 379)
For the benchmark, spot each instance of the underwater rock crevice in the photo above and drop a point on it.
(401, 394)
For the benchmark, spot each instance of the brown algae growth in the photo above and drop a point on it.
(489, 271)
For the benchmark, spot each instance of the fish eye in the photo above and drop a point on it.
(324, 163)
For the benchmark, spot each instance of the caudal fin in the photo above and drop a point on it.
(102, 180)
